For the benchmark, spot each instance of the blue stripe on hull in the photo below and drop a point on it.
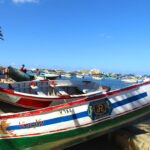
(129, 100)
(51, 121)
(73, 116)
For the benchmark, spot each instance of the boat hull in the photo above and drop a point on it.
(64, 139)
(17, 75)
(44, 93)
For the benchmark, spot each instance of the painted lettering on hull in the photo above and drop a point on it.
(65, 111)
(37, 123)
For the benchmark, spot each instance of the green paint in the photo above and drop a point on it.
(67, 138)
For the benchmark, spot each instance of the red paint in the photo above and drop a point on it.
(32, 83)
(104, 88)
(33, 103)
(86, 81)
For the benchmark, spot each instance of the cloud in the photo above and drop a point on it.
(24, 1)
(105, 36)
(108, 36)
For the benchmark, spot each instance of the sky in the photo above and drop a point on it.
(110, 35)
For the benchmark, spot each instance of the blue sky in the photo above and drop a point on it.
(110, 35)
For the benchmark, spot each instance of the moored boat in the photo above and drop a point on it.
(130, 79)
(42, 76)
(72, 122)
(50, 76)
(68, 75)
(97, 77)
(43, 93)
(79, 75)
(18, 75)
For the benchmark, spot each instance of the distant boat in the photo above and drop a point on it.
(113, 77)
(42, 76)
(97, 77)
(130, 79)
(68, 75)
(79, 76)
(50, 76)
(76, 119)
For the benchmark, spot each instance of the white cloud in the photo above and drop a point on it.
(108, 36)
(105, 36)
(24, 1)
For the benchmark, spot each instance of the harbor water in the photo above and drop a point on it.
(113, 83)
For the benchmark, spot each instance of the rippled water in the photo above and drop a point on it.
(113, 83)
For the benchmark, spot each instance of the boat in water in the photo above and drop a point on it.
(50, 76)
(68, 75)
(42, 76)
(79, 75)
(97, 77)
(130, 79)
(74, 119)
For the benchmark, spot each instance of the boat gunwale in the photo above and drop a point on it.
(51, 108)
(16, 93)
(33, 96)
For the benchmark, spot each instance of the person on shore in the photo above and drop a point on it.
(37, 72)
(6, 73)
(22, 68)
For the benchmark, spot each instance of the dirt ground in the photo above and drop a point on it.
(100, 143)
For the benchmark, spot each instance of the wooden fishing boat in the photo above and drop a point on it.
(17, 75)
(72, 122)
(43, 93)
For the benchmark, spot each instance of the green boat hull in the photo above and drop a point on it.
(61, 140)
(17, 75)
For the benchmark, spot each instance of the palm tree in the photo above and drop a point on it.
(1, 35)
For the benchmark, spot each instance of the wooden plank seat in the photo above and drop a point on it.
(37, 89)
(60, 90)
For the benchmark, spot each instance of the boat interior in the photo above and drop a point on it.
(54, 88)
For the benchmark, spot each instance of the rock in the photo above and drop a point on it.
(135, 137)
